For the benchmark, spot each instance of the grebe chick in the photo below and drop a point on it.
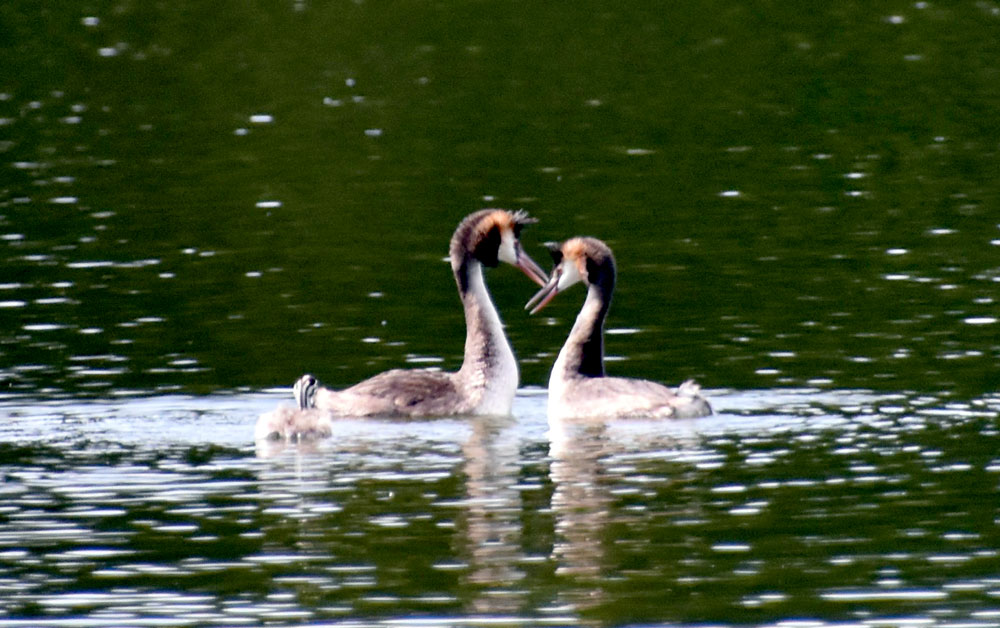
(295, 424)
(578, 387)
(488, 379)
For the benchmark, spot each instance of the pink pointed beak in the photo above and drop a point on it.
(530, 268)
(546, 294)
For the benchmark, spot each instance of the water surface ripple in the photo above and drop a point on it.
(840, 507)
(202, 201)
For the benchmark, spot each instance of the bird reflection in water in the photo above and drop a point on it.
(592, 465)
(581, 505)
(488, 538)
(493, 511)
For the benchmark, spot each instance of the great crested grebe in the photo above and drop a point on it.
(487, 381)
(578, 387)
(302, 422)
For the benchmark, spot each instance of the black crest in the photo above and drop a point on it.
(555, 250)
(488, 248)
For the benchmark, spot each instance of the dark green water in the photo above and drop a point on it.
(786, 508)
(201, 201)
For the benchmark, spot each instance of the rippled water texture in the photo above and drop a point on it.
(829, 507)
(198, 198)
(200, 201)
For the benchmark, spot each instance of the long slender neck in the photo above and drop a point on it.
(583, 352)
(488, 355)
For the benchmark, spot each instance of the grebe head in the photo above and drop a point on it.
(492, 236)
(586, 260)
(304, 391)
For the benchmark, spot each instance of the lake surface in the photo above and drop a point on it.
(793, 507)
(200, 201)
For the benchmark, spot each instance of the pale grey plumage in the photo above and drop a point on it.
(488, 379)
(578, 387)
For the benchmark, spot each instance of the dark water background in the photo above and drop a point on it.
(201, 201)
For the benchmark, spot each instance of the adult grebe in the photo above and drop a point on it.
(578, 388)
(487, 381)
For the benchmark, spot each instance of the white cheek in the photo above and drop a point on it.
(508, 249)
(569, 276)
